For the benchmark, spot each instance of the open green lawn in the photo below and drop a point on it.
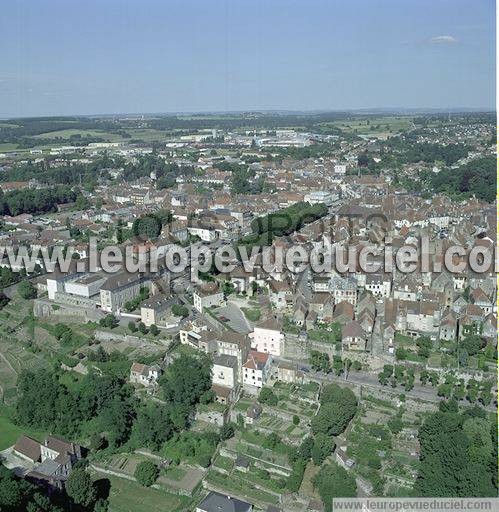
(66, 134)
(224, 462)
(128, 496)
(8, 146)
(239, 484)
(71, 380)
(148, 134)
(15, 356)
(322, 335)
(252, 314)
(144, 134)
(375, 125)
(176, 473)
(10, 432)
(404, 341)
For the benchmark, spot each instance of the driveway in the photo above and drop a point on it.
(236, 318)
(15, 463)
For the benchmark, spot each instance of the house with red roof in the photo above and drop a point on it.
(256, 370)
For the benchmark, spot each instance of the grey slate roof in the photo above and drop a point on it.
(216, 502)
(48, 467)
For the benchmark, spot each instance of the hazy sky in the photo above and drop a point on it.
(116, 56)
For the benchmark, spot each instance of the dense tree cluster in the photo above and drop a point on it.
(299, 459)
(166, 173)
(76, 173)
(338, 406)
(35, 200)
(410, 151)
(8, 277)
(332, 481)
(289, 220)
(110, 402)
(283, 222)
(458, 453)
(146, 473)
(17, 494)
(109, 321)
(4, 300)
(80, 488)
(185, 382)
(323, 447)
(475, 178)
(267, 396)
(179, 310)
(133, 304)
(72, 173)
(63, 410)
(148, 226)
(243, 178)
(26, 289)
(243, 181)
(198, 447)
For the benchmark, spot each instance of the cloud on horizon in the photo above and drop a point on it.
(443, 40)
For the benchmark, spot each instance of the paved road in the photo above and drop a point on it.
(368, 380)
(236, 317)
(304, 283)
(10, 290)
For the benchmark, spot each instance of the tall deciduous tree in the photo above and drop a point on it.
(80, 488)
(332, 481)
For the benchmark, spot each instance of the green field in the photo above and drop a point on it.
(71, 380)
(8, 147)
(241, 486)
(252, 314)
(381, 127)
(10, 432)
(144, 134)
(128, 496)
(13, 359)
(176, 473)
(66, 134)
(148, 135)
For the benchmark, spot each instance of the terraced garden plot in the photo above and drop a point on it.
(129, 496)
(124, 463)
(243, 404)
(263, 481)
(223, 463)
(13, 359)
(307, 487)
(177, 478)
(272, 422)
(283, 427)
(240, 487)
(302, 409)
(175, 473)
(257, 452)
(379, 452)
(181, 478)
(303, 392)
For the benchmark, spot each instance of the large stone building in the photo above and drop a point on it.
(52, 460)
(268, 337)
(207, 295)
